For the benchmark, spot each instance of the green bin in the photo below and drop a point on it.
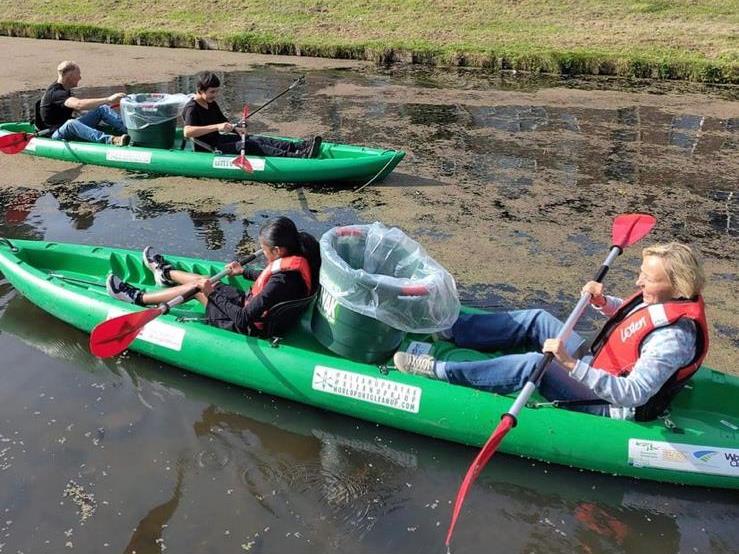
(151, 118)
(377, 285)
(353, 335)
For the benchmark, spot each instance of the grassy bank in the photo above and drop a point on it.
(676, 39)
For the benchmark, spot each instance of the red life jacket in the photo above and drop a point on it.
(288, 263)
(618, 345)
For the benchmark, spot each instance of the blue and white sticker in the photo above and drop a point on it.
(419, 348)
(684, 457)
(227, 162)
(367, 389)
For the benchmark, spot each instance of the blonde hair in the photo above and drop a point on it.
(65, 67)
(682, 266)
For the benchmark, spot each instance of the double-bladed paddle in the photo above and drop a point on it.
(625, 231)
(13, 143)
(242, 161)
(113, 336)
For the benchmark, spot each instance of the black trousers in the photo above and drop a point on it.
(260, 146)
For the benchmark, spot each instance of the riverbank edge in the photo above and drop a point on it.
(565, 62)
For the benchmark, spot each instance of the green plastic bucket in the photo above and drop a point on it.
(352, 335)
(151, 119)
(155, 135)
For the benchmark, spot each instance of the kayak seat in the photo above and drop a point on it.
(38, 122)
(283, 316)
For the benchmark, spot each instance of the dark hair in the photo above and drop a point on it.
(206, 80)
(282, 232)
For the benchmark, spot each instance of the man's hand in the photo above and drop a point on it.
(113, 98)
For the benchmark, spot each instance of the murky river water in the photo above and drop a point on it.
(508, 182)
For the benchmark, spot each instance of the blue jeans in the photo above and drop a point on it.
(521, 330)
(83, 128)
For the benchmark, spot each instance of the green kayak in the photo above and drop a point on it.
(336, 163)
(697, 444)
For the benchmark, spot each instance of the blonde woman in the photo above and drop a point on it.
(651, 344)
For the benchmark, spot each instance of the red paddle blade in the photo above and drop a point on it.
(14, 142)
(243, 163)
(630, 228)
(113, 336)
(487, 451)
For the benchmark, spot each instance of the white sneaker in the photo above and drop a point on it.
(158, 266)
(415, 364)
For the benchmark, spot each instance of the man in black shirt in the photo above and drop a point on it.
(58, 105)
(206, 124)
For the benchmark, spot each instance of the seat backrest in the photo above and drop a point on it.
(283, 316)
(37, 119)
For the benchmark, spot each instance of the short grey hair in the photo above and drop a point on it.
(65, 67)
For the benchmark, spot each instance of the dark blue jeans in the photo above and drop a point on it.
(520, 330)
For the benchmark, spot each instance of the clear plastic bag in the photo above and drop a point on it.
(142, 110)
(382, 273)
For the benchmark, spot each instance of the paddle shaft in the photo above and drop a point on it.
(295, 83)
(569, 325)
(166, 306)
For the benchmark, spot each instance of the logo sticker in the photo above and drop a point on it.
(684, 457)
(226, 162)
(367, 389)
(131, 156)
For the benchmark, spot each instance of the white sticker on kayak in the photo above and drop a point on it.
(257, 164)
(367, 389)
(133, 156)
(156, 332)
(684, 457)
(418, 348)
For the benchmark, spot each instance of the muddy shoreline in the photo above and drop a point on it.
(511, 189)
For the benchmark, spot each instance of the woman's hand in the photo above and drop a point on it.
(235, 268)
(205, 286)
(557, 347)
(225, 127)
(595, 290)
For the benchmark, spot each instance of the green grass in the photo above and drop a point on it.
(680, 39)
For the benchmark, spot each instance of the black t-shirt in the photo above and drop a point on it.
(197, 116)
(53, 111)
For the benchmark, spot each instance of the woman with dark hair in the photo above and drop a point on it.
(206, 124)
(293, 263)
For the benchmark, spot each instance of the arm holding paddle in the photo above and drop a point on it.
(503, 331)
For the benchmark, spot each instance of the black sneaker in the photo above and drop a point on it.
(315, 147)
(123, 291)
(158, 266)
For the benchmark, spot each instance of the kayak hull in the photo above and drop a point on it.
(697, 445)
(337, 163)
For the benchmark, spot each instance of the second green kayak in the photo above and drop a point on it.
(336, 163)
